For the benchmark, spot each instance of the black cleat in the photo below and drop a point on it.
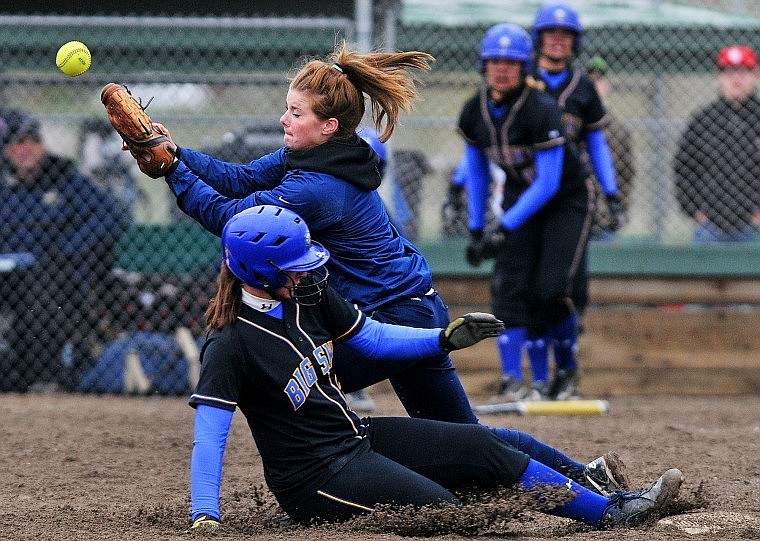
(564, 385)
(511, 390)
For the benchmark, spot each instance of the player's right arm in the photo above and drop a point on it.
(230, 179)
(234, 180)
(212, 426)
(300, 193)
(377, 340)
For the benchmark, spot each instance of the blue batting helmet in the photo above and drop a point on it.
(262, 242)
(557, 15)
(505, 41)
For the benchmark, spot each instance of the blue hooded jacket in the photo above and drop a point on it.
(332, 187)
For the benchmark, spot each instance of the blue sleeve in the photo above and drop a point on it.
(459, 178)
(234, 180)
(203, 203)
(212, 425)
(541, 190)
(382, 341)
(478, 184)
(601, 160)
(304, 193)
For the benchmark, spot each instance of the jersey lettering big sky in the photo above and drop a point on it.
(305, 376)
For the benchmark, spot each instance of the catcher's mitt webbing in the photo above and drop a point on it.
(154, 152)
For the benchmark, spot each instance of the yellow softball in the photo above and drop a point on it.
(73, 58)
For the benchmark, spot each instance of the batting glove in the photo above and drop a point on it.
(205, 521)
(469, 329)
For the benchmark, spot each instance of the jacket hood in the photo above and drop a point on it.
(352, 160)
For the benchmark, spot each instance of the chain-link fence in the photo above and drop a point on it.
(104, 281)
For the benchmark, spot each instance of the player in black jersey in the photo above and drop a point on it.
(542, 234)
(557, 36)
(275, 323)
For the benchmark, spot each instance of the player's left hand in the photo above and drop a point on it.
(617, 214)
(474, 250)
(470, 329)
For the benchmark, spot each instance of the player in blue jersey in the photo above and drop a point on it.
(329, 175)
(275, 329)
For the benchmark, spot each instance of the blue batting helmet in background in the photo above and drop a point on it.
(506, 41)
(262, 242)
(557, 15)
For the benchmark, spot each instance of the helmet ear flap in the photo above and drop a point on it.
(263, 280)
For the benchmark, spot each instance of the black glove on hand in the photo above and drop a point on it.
(205, 521)
(474, 252)
(469, 329)
(493, 241)
(617, 215)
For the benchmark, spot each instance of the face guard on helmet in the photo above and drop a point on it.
(557, 15)
(262, 243)
(506, 41)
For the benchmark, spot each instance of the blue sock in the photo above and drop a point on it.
(538, 353)
(510, 343)
(586, 506)
(565, 341)
(541, 452)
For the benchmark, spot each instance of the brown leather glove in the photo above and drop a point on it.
(156, 154)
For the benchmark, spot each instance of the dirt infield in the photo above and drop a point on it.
(92, 468)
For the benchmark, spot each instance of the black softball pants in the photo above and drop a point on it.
(533, 274)
(414, 462)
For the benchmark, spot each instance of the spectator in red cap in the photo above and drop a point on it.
(717, 164)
